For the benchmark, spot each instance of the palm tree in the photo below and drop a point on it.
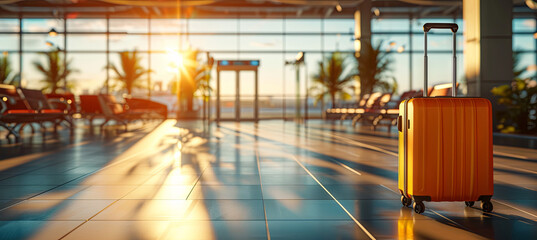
(54, 71)
(7, 76)
(335, 74)
(372, 67)
(195, 77)
(131, 72)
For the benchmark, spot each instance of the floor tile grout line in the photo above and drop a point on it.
(334, 198)
(109, 205)
(262, 195)
(521, 210)
(82, 176)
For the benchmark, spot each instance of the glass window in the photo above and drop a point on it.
(437, 42)
(10, 42)
(129, 25)
(212, 25)
(527, 60)
(261, 25)
(302, 43)
(389, 25)
(41, 25)
(31, 77)
(440, 69)
(91, 72)
(9, 25)
(391, 42)
(339, 26)
(523, 42)
(164, 42)
(261, 43)
(338, 42)
(86, 25)
(167, 25)
(86, 42)
(115, 60)
(41, 42)
(302, 25)
(524, 25)
(125, 42)
(214, 43)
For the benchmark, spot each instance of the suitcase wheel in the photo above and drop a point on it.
(486, 206)
(407, 202)
(419, 207)
(469, 203)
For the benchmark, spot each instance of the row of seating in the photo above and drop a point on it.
(380, 108)
(21, 107)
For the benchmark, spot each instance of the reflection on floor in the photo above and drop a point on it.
(273, 180)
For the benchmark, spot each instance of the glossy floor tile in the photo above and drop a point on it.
(275, 179)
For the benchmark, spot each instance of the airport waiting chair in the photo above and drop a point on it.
(149, 109)
(115, 111)
(39, 102)
(63, 101)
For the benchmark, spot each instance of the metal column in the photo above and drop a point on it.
(256, 100)
(237, 96)
(217, 96)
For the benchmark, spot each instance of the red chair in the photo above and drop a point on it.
(63, 101)
(149, 109)
(15, 110)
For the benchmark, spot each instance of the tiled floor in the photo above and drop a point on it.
(272, 180)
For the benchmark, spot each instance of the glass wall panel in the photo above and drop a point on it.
(524, 25)
(261, 43)
(261, 25)
(390, 42)
(437, 42)
(86, 25)
(118, 86)
(164, 42)
(125, 42)
(214, 43)
(339, 26)
(9, 42)
(90, 74)
(440, 69)
(167, 25)
(302, 43)
(86, 42)
(338, 43)
(523, 42)
(129, 25)
(31, 77)
(389, 25)
(213, 25)
(303, 26)
(41, 25)
(9, 25)
(13, 59)
(527, 61)
(42, 42)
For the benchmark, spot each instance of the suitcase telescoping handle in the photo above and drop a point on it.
(454, 27)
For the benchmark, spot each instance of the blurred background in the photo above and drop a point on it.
(144, 48)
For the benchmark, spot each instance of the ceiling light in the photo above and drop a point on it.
(531, 4)
(338, 7)
(52, 32)
(401, 49)
(376, 11)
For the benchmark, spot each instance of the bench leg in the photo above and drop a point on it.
(11, 131)
(355, 119)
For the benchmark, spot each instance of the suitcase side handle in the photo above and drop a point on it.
(454, 27)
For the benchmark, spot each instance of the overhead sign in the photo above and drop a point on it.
(238, 65)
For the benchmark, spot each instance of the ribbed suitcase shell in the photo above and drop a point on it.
(448, 148)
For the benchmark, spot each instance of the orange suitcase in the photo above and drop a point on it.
(445, 146)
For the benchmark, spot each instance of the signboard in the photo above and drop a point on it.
(237, 65)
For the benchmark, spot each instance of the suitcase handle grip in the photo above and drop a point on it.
(454, 27)
(428, 26)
